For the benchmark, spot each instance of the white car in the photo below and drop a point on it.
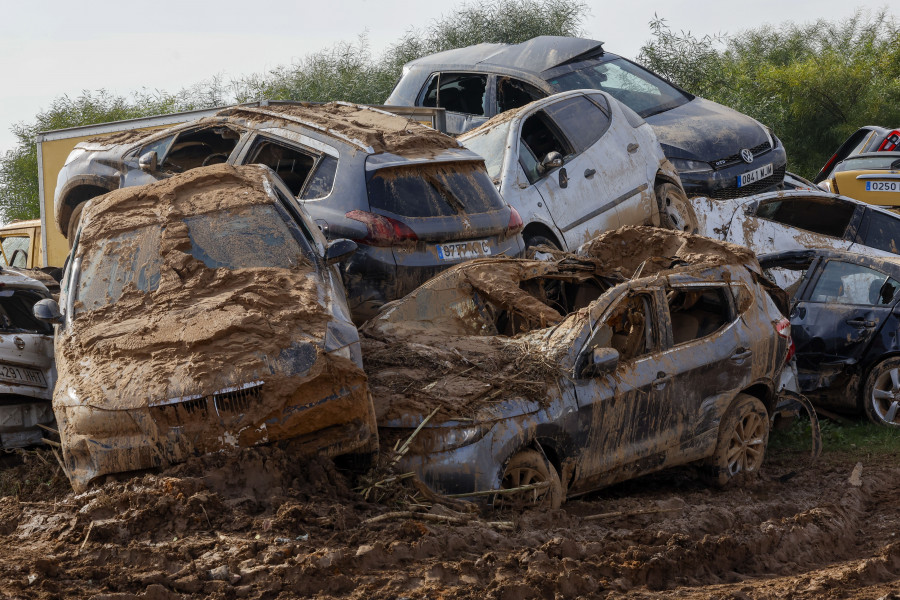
(579, 163)
(794, 220)
(27, 368)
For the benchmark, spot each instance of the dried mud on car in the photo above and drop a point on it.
(259, 524)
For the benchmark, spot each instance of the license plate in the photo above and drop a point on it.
(22, 375)
(755, 175)
(464, 250)
(883, 186)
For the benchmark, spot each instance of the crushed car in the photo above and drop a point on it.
(718, 152)
(797, 220)
(201, 313)
(27, 369)
(536, 380)
(414, 200)
(845, 326)
(579, 163)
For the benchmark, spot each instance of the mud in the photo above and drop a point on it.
(376, 129)
(260, 524)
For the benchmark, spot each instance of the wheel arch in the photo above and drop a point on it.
(765, 391)
(539, 228)
(80, 191)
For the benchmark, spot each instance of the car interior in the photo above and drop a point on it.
(201, 147)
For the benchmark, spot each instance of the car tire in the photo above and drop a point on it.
(881, 394)
(74, 220)
(742, 441)
(532, 241)
(675, 211)
(526, 468)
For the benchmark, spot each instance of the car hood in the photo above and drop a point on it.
(704, 130)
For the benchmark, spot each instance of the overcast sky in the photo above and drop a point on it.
(54, 47)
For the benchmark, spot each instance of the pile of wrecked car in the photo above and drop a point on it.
(564, 297)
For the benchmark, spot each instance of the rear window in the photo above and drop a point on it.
(433, 191)
(861, 163)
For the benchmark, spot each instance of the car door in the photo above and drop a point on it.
(579, 194)
(837, 315)
(622, 413)
(299, 165)
(879, 230)
(465, 96)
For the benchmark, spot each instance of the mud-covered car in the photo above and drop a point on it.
(414, 200)
(27, 370)
(717, 151)
(648, 349)
(579, 163)
(797, 220)
(846, 327)
(201, 313)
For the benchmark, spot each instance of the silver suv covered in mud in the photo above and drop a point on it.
(647, 349)
(578, 163)
(200, 313)
(27, 370)
(413, 199)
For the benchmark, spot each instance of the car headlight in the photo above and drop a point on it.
(442, 439)
(690, 166)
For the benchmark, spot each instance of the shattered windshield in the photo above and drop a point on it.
(491, 145)
(241, 238)
(641, 91)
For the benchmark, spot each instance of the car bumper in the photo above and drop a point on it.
(98, 442)
(19, 423)
(722, 184)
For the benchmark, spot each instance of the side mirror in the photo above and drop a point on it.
(551, 161)
(602, 361)
(339, 250)
(47, 310)
(149, 162)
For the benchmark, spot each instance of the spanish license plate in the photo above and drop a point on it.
(22, 375)
(755, 175)
(883, 186)
(464, 250)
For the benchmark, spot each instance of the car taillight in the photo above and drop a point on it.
(515, 222)
(381, 230)
(783, 328)
(891, 142)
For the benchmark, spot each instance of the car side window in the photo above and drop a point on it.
(542, 137)
(528, 162)
(513, 93)
(582, 121)
(697, 312)
(15, 251)
(883, 232)
(199, 148)
(629, 328)
(322, 180)
(825, 216)
(290, 163)
(457, 92)
(846, 283)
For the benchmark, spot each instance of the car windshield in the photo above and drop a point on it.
(240, 238)
(439, 190)
(490, 143)
(861, 163)
(641, 91)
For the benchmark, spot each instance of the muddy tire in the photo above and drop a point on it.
(534, 240)
(675, 211)
(741, 446)
(74, 220)
(530, 467)
(881, 394)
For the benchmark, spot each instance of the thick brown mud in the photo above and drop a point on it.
(260, 524)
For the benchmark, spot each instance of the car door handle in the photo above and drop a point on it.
(661, 380)
(588, 173)
(563, 178)
(860, 323)
(632, 148)
(741, 354)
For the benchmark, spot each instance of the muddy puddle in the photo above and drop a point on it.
(257, 524)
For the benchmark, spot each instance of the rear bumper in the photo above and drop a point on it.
(19, 423)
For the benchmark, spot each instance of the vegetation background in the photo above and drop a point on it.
(813, 84)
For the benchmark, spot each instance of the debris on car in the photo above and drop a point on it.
(27, 369)
(649, 348)
(200, 313)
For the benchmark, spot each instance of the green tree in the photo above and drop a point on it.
(813, 84)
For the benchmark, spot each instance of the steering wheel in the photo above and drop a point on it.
(214, 159)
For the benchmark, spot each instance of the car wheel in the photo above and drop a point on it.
(532, 241)
(881, 395)
(743, 436)
(526, 468)
(675, 210)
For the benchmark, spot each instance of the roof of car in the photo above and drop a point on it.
(536, 55)
(10, 278)
(819, 194)
(890, 263)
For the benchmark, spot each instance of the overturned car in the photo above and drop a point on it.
(200, 313)
(545, 379)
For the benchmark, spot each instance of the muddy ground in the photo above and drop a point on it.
(258, 525)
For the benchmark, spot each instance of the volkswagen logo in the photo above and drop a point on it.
(747, 156)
